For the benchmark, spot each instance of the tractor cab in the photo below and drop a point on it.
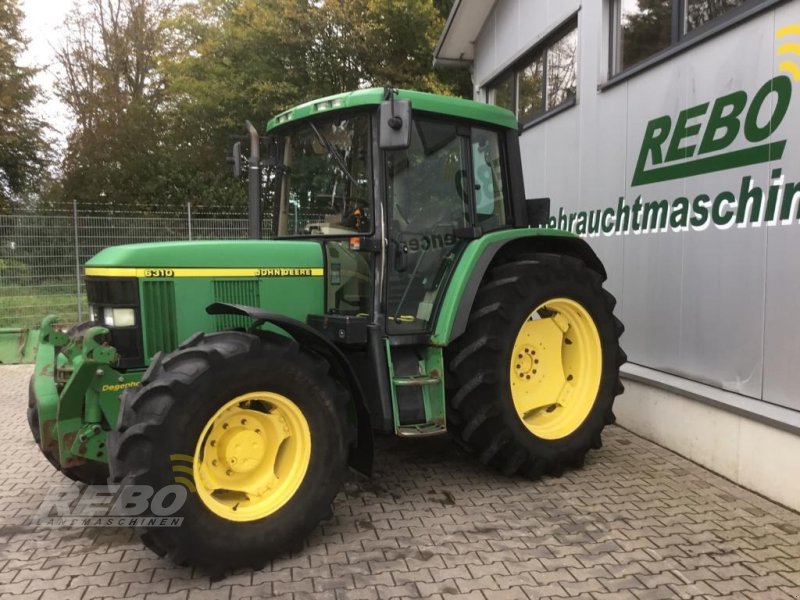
(394, 189)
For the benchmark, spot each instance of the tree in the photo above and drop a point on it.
(645, 30)
(22, 144)
(251, 59)
(115, 88)
(157, 90)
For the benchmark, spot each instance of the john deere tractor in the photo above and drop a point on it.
(408, 287)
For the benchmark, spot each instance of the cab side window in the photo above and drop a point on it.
(490, 204)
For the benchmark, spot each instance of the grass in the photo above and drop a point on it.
(26, 306)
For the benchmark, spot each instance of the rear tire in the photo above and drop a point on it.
(172, 418)
(488, 415)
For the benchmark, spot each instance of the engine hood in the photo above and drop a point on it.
(246, 257)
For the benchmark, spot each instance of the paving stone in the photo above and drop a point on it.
(510, 594)
(544, 591)
(16, 589)
(620, 595)
(159, 587)
(589, 573)
(736, 585)
(693, 590)
(774, 594)
(173, 596)
(486, 582)
(408, 590)
(447, 586)
(574, 588)
(217, 594)
(625, 582)
(46, 584)
(108, 591)
(661, 592)
(239, 592)
(490, 569)
(71, 594)
(637, 522)
(132, 577)
(426, 575)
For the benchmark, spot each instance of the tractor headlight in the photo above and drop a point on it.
(119, 317)
(114, 303)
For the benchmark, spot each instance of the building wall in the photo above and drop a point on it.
(710, 309)
(714, 306)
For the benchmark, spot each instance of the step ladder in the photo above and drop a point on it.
(417, 385)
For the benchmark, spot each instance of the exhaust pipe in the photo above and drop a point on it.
(254, 186)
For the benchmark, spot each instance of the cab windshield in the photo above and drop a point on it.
(324, 189)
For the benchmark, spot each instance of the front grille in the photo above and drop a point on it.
(237, 291)
(159, 317)
(108, 291)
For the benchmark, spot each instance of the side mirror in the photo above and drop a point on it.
(538, 211)
(236, 159)
(395, 125)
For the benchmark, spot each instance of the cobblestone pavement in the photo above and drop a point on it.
(637, 522)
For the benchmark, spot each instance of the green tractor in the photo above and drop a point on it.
(408, 288)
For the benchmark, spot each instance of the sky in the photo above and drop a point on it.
(43, 26)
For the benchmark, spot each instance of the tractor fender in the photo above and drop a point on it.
(361, 454)
(536, 241)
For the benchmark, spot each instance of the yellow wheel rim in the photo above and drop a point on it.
(252, 456)
(555, 368)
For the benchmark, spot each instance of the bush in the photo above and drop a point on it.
(14, 272)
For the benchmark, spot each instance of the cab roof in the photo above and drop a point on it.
(433, 103)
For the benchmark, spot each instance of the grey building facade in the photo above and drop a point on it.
(667, 133)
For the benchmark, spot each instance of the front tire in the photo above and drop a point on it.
(532, 381)
(254, 427)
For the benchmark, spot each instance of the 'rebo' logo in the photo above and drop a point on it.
(698, 141)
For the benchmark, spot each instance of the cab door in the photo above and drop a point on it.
(429, 208)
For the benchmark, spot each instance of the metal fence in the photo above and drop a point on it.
(42, 253)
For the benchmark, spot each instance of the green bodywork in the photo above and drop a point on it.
(420, 101)
(77, 386)
(252, 281)
(431, 380)
(465, 269)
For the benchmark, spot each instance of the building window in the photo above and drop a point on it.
(642, 28)
(700, 12)
(505, 93)
(545, 79)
